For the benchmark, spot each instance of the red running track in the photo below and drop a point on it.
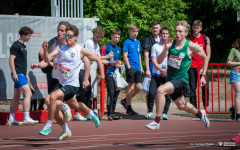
(126, 134)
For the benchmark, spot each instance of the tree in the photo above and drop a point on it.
(219, 19)
(26, 7)
(119, 14)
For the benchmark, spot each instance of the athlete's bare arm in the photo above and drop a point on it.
(87, 72)
(41, 64)
(92, 56)
(195, 48)
(12, 67)
(49, 56)
(164, 53)
(125, 58)
(208, 49)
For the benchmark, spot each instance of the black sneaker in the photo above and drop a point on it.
(110, 118)
(124, 103)
(131, 112)
(115, 117)
(232, 113)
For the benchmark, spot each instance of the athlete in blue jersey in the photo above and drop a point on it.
(132, 59)
(110, 68)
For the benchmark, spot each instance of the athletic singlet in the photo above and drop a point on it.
(69, 64)
(178, 63)
(196, 60)
(55, 64)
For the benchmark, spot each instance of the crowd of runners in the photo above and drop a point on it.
(170, 64)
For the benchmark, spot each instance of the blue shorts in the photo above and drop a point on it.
(234, 76)
(22, 80)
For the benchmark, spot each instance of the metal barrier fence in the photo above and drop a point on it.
(219, 104)
(220, 101)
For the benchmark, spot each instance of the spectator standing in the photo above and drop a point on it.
(204, 42)
(18, 65)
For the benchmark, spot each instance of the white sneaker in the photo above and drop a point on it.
(79, 117)
(153, 125)
(205, 119)
(14, 122)
(30, 121)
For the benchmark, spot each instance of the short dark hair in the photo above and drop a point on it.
(236, 44)
(66, 24)
(156, 22)
(116, 31)
(74, 29)
(165, 28)
(25, 31)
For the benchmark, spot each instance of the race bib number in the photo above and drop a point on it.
(64, 71)
(174, 61)
(55, 66)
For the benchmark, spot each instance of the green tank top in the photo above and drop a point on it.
(178, 63)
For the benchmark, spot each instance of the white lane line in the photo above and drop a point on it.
(123, 134)
(102, 136)
(164, 141)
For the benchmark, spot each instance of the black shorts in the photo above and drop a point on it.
(133, 76)
(179, 87)
(53, 86)
(68, 91)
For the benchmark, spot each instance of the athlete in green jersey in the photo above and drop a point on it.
(180, 54)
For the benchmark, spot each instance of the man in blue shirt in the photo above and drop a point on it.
(110, 68)
(132, 59)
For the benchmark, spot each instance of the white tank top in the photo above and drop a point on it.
(69, 65)
(55, 63)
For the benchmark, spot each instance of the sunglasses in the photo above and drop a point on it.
(69, 36)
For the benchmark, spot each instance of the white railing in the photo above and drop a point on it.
(67, 8)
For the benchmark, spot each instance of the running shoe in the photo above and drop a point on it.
(115, 117)
(164, 117)
(89, 118)
(79, 117)
(45, 131)
(236, 139)
(232, 113)
(14, 122)
(131, 112)
(95, 118)
(149, 115)
(67, 114)
(64, 135)
(205, 119)
(124, 103)
(30, 121)
(153, 125)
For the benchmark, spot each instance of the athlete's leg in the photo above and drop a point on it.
(184, 106)
(162, 90)
(15, 100)
(236, 88)
(129, 93)
(25, 89)
(54, 97)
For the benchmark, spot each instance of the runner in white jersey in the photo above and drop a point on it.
(69, 61)
(53, 83)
